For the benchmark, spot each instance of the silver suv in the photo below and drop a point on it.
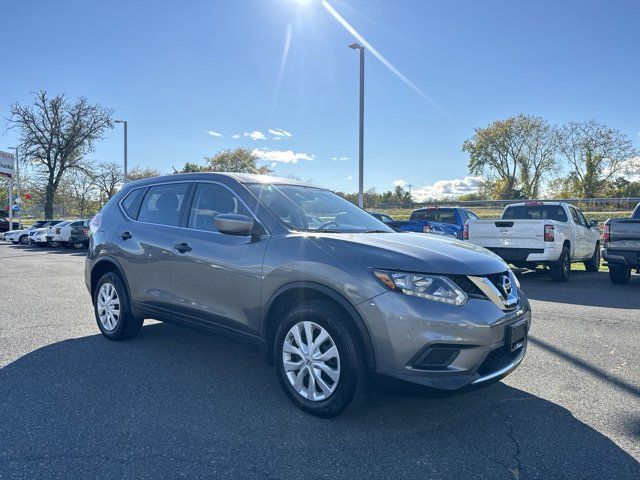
(330, 294)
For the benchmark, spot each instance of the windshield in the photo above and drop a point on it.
(441, 215)
(535, 212)
(311, 209)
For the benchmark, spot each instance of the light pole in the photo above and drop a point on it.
(357, 46)
(125, 147)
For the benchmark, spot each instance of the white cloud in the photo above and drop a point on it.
(279, 134)
(349, 178)
(400, 183)
(235, 136)
(340, 158)
(447, 188)
(282, 156)
(255, 135)
(213, 134)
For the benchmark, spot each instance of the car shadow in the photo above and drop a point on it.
(51, 250)
(583, 288)
(173, 402)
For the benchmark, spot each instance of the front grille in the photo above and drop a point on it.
(497, 360)
(467, 286)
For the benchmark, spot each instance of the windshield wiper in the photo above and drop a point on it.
(377, 231)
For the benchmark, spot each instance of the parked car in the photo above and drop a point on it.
(529, 234)
(383, 217)
(59, 235)
(22, 235)
(38, 236)
(79, 235)
(621, 240)
(328, 304)
(5, 227)
(447, 221)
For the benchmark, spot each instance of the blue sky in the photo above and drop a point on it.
(178, 69)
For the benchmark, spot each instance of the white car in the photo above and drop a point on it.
(22, 235)
(529, 234)
(59, 234)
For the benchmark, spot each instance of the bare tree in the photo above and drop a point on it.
(538, 157)
(55, 134)
(138, 173)
(83, 190)
(596, 153)
(108, 178)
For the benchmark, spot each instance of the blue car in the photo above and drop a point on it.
(447, 221)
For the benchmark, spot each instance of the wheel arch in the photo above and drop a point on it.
(104, 265)
(302, 291)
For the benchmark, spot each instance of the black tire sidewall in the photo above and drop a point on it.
(125, 309)
(352, 367)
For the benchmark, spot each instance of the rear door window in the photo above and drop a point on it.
(162, 204)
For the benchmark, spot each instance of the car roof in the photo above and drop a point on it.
(238, 177)
(535, 204)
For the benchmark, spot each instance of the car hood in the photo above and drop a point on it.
(417, 252)
(24, 230)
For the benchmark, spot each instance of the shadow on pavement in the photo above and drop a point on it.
(50, 250)
(174, 402)
(583, 288)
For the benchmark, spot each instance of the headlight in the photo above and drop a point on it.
(431, 287)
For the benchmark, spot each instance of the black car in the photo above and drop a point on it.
(79, 237)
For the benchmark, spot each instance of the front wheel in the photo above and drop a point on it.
(593, 264)
(619, 275)
(113, 310)
(319, 359)
(561, 270)
(24, 239)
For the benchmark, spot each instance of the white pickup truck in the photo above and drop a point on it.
(540, 233)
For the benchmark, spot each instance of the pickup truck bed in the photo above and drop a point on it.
(529, 234)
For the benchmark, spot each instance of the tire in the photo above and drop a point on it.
(24, 239)
(78, 245)
(619, 275)
(121, 324)
(593, 264)
(349, 387)
(54, 244)
(561, 270)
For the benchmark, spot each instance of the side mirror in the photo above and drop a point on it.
(593, 223)
(232, 224)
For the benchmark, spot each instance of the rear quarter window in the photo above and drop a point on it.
(131, 203)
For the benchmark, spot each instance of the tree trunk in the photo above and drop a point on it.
(48, 202)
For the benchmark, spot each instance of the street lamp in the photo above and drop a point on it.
(125, 146)
(357, 46)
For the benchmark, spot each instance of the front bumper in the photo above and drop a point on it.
(402, 327)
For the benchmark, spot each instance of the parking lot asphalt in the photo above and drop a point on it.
(176, 403)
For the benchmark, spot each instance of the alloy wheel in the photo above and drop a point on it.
(108, 306)
(311, 361)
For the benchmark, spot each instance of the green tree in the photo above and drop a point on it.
(515, 155)
(239, 160)
(596, 154)
(55, 134)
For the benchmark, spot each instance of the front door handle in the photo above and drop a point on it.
(125, 235)
(182, 247)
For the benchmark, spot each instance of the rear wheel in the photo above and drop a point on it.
(619, 275)
(593, 264)
(24, 239)
(561, 270)
(54, 244)
(319, 359)
(113, 310)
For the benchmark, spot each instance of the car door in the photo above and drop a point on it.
(216, 278)
(582, 244)
(593, 235)
(143, 244)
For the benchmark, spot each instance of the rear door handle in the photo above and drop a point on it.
(182, 247)
(125, 235)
